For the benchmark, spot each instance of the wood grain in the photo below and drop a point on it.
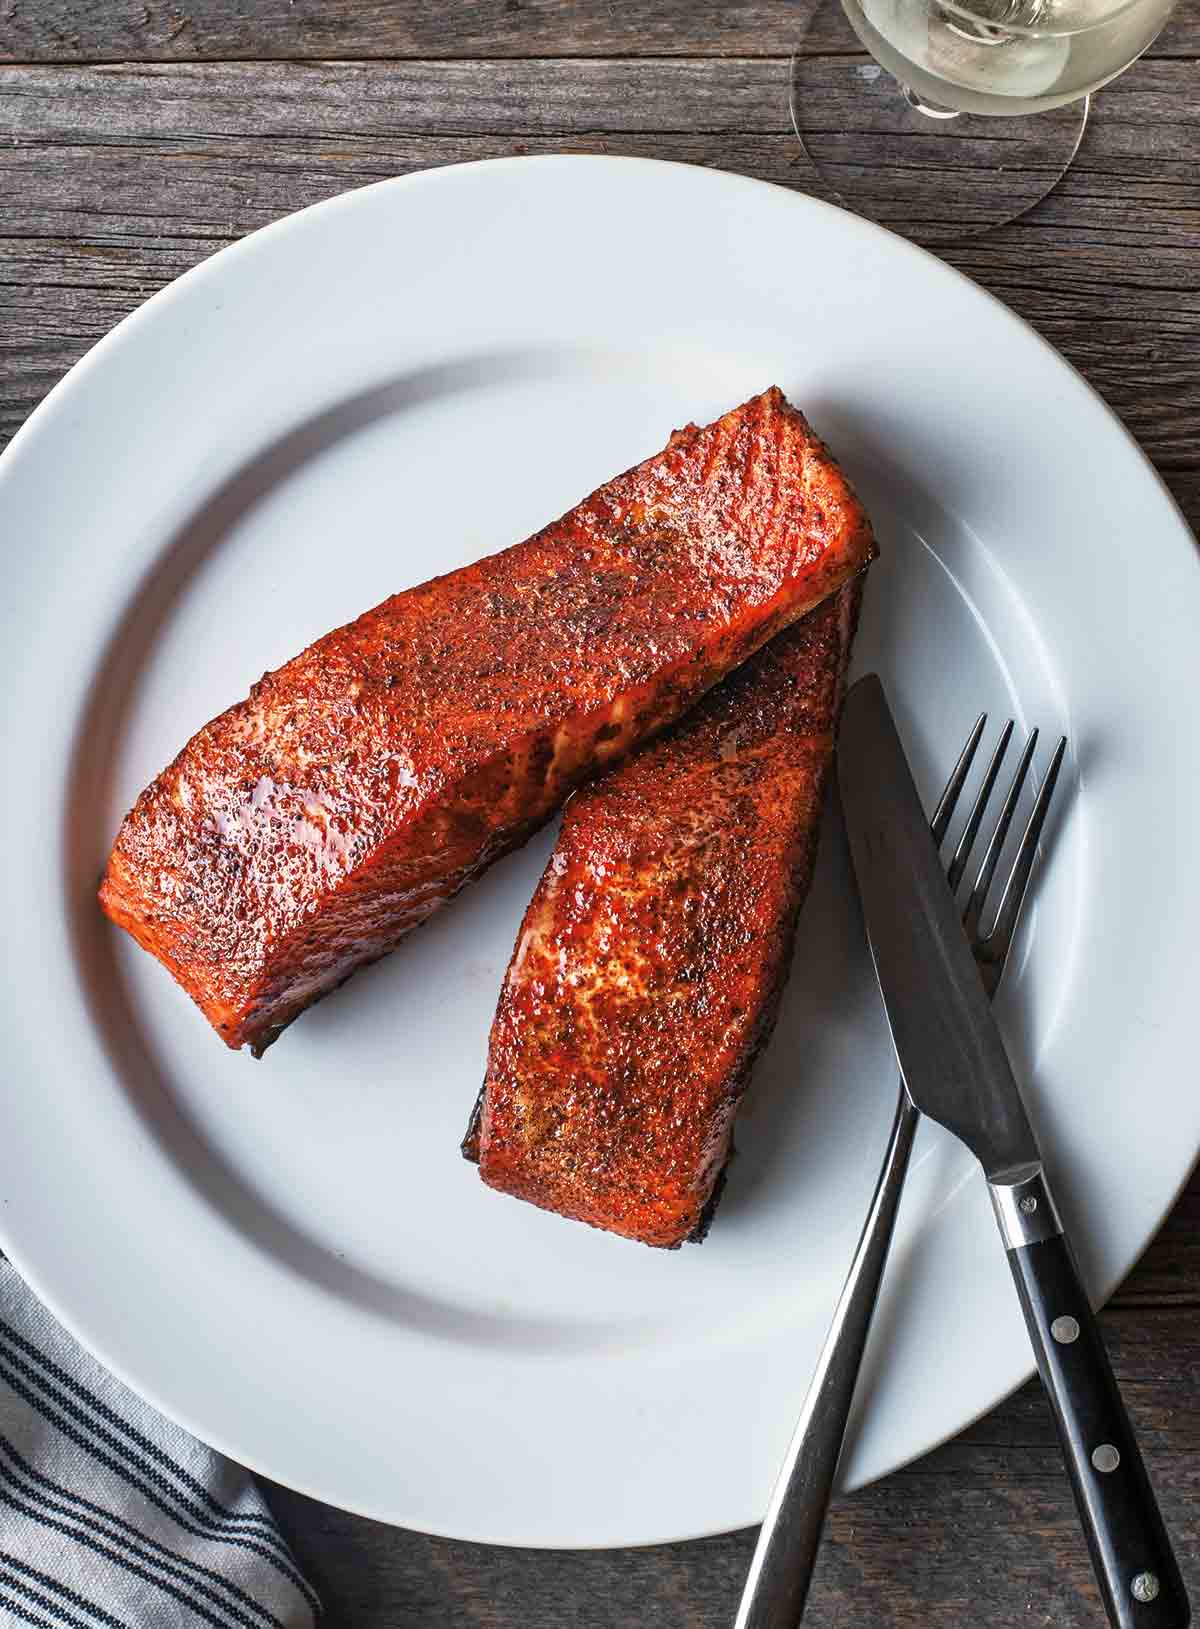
(133, 144)
(211, 30)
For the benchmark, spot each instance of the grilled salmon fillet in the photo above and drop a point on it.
(648, 970)
(303, 832)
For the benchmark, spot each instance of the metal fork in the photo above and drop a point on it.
(782, 1568)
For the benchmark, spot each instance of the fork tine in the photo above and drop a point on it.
(991, 858)
(967, 841)
(944, 812)
(1000, 939)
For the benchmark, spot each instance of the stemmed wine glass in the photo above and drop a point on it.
(965, 112)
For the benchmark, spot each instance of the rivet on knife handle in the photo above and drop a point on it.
(1025, 1208)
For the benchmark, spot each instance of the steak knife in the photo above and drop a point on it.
(957, 1072)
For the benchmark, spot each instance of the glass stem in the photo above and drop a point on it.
(931, 110)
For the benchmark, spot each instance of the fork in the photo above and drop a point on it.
(786, 1553)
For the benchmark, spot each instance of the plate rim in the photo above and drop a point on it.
(525, 161)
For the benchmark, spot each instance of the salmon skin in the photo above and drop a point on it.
(647, 975)
(306, 830)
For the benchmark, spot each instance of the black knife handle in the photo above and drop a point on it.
(1135, 1566)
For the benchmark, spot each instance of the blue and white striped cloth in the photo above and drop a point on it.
(113, 1518)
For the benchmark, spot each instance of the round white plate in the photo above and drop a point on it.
(289, 1256)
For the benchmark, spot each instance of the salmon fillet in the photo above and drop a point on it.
(648, 971)
(303, 832)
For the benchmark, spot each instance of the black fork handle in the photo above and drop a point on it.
(1134, 1563)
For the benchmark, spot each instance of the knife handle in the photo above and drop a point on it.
(1131, 1553)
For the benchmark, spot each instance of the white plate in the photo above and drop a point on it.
(289, 1256)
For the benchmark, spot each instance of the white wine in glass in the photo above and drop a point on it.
(969, 112)
(1004, 57)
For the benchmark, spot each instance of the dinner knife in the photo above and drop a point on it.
(957, 1072)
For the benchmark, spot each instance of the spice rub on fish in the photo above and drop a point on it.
(303, 832)
(648, 970)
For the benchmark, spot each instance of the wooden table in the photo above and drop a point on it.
(138, 136)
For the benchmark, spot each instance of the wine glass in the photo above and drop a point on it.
(958, 114)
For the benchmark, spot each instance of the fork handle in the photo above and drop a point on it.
(1131, 1553)
(786, 1553)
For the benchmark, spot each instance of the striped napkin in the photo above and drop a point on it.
(113, 1518)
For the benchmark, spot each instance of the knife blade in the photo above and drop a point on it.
(951, 1055)
(957, 1072)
